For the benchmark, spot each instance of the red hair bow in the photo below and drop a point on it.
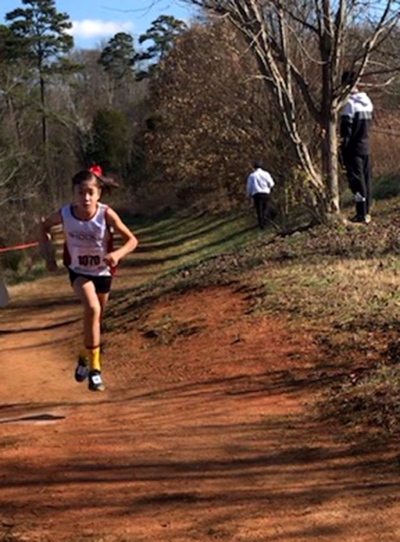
(96, 170)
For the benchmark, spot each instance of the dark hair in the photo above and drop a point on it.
(104, 183)
(349, 78)
(257, 164)
(83, 176)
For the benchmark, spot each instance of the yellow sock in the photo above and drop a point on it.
(93, 355)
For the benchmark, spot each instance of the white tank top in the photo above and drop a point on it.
(86, 242)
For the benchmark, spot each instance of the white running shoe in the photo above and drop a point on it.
(95, 381)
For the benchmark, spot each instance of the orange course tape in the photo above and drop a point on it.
(19, 247)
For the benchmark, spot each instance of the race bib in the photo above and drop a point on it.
(89, 260)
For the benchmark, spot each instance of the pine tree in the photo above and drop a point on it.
(41, 36)
(118, 57)
(162, 33)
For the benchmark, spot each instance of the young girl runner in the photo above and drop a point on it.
(90, 260)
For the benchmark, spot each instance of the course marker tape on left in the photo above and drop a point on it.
(19, 247)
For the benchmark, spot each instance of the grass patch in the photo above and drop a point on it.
(371, 402)
(385, 187)
(335, 291)
(183, 241)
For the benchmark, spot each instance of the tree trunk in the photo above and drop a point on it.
(329, 149)
(43, 103)
(14, 120)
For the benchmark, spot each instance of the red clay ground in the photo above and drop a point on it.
(205, 432)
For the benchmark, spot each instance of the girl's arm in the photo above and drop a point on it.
(130, 241)
(45, 240)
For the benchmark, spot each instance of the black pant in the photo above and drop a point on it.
(261, 205)
(359, 176)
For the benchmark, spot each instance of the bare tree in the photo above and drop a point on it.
(209, 116)
(301, 48)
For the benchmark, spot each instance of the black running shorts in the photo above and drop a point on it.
(102, 284)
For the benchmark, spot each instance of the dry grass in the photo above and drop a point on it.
(385, 144)
(335, 290)
(371, 402)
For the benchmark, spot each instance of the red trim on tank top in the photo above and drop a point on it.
(71, 207)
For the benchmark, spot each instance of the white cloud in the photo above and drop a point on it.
(91, 28)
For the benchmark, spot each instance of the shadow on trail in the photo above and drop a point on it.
(239, 388)
(245, 386)
(123, 469)
(46, 327)
(36, 346)
(177, 451)
(34, 418)
(133, 482)
(43, 303)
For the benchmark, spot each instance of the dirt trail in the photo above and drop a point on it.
(205, 435)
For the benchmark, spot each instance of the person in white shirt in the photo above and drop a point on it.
(259, 185)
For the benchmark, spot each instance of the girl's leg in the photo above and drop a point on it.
(103, 298)
(92, 310)
(85, 290)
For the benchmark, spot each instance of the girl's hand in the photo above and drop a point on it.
(111, 259)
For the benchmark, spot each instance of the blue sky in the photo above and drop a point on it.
(95, 21)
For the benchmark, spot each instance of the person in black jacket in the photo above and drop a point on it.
(356, 117)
